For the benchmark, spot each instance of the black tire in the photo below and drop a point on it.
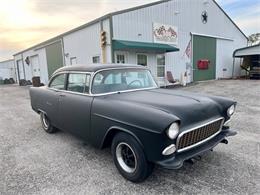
(46, 124)
(135, 172)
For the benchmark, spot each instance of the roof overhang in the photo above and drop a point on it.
(143, 46)
(247, 51)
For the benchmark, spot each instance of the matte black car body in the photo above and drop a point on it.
(144, 114)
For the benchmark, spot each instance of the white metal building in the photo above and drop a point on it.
(192, 37)
(7, 70)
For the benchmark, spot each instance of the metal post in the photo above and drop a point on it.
(233, 67)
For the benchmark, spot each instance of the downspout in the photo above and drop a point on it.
(191, 59)
(233, 67)
(63, 52)
(17, 71)
(23, 67)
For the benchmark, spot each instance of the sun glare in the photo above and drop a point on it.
(15, 12)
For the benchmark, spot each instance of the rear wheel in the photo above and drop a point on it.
(129, 158)
(46, 124)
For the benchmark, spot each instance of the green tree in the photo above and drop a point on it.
(254, 39)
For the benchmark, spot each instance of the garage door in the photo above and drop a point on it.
(54, 57)
(204, 49)
(35, 65)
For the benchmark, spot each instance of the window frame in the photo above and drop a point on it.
(92, 75)
(143, 54)
(71, 60)
(55, 76)
(77, 73)
(96, 57)
(125, 54)
(66, 82)
(115, 92)
(160, 65)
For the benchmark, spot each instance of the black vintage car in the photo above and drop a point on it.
(122, 107)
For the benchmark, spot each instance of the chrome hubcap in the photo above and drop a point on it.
(45, 121)
(126, 157)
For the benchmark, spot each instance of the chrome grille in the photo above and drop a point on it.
(195, 136)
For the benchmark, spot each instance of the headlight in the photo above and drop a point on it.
(231, 110)
(173, 130)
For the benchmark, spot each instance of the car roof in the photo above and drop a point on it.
(95, 67)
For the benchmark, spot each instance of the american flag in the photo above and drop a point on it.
(188, 50)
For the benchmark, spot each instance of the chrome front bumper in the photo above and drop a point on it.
(177, 159)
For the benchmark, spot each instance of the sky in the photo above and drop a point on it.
(24, 23)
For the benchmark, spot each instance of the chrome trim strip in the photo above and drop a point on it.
(66, 91)
(227, 122)
(92, 74)
(123, 91)
(201, 142)
(172, 146)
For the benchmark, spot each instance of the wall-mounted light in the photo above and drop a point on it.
(139, 34)
(67, 55)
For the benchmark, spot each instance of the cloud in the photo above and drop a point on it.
(24, 23)
(249, 26)
(246, 14)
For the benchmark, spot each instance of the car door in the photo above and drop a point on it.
(52, 96)
(75, 105)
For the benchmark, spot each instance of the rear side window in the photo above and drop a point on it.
(78, 82)
(58, 82)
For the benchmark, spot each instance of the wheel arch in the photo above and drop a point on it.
(112, 131)
(39, 111)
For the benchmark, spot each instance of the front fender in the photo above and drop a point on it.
(146, 124)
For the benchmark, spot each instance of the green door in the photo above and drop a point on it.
(204, 48)
(54, 57)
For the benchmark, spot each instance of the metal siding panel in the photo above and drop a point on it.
(83, 44)
(224, 59)
(249, 51)
(128, 25)
(7, 69)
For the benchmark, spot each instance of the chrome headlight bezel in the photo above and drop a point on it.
(173, 131)
(231, 110)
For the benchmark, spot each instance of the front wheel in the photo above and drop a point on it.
(46, 124)
(129, 158)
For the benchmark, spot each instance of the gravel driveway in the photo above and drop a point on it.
(33, 162)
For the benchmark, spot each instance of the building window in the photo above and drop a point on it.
(78, 83)
(96, 59)
(160, 65)
(120, 58)
(142, 59)
(73, 60)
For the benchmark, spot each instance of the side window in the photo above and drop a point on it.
(142, 59)
(58, 82)
(160, 65)
(98, 79)
(96, 59)
(78, 82)
(113, 79)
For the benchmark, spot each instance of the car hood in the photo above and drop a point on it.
(190, 108)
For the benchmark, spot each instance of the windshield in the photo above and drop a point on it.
(115, 80)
